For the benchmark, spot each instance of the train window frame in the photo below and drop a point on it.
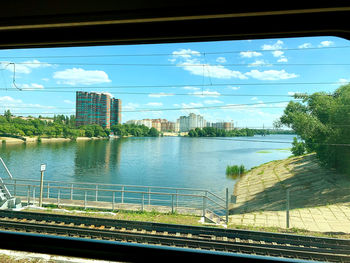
(138, 24)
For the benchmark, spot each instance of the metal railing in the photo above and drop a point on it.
(113, 196)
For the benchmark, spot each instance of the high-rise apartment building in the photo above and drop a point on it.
(192, 121)
(97, 108)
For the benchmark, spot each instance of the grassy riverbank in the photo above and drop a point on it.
(319, 199)
(264, 187)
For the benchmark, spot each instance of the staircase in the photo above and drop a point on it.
(214, 218)
(7, 201)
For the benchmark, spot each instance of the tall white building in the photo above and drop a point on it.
(192, 121)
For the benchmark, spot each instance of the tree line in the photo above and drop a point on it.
(322, 123)
(57, 127)
(215, 132)
(62, 126)
(134, 130)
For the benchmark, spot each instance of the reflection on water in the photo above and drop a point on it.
(96, 158)
(165, 161)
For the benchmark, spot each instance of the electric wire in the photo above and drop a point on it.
(172, 54)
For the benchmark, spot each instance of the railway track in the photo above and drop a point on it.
(225, 240)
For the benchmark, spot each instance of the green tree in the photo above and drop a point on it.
(7, 115)
(153, 132)
(322, 122)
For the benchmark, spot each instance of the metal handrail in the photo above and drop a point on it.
(122, 194)
(119, 185)
(7, 170)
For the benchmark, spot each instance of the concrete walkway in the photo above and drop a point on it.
(331, 218)
(319, 200)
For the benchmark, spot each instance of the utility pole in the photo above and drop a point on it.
(42, 169)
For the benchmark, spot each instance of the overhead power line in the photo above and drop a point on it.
(179, 65)
(198, 94)
(211, 85)
(177, 108)
(172, 54)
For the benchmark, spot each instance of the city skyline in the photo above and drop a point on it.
(248, 81)
(182, 124)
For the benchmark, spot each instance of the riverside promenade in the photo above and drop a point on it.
(319, 200)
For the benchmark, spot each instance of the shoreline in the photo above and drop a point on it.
(11, 140)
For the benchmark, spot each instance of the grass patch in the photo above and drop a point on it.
(293, 231)
(13, 259)
(145, 216)
(264, 151)
(271, 151)
(284, 149)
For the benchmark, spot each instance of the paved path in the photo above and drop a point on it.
(331, 218)
(319, 199)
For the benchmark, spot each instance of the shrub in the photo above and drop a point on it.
(235, 170)
(298, 147)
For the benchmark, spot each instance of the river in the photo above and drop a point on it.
(163, 161)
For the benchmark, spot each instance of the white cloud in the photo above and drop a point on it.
(185, 53)
(17, 105)
(277, 45)
(221, 60)
(189, 61)
(250, 54)
(213, 101)
(188, 107)
(68, 101)
(326, 43)
(160, 94)
(235, 88)
(277, 53)
(7, 99)
(257, 63)
(30, 86)
(283, 59)
(271, 74)
(305, 45)
(343, 81)
(131, 106)
(25, 67)
(254, 98)
(206, 93)
(213, 71)
(191, 88)
(192, 105)
(79, 76)
(154, 104)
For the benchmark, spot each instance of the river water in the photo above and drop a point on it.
(163, 161)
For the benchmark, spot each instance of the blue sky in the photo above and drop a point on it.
(179, 76)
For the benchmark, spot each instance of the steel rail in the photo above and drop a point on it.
(166, 240)
(276, 238)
